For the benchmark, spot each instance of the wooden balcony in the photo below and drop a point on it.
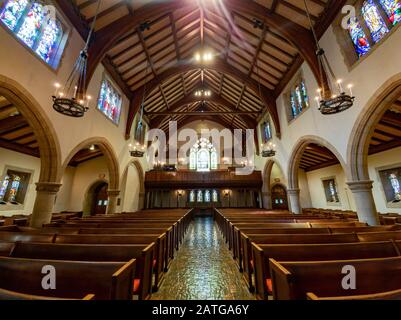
(185, 179)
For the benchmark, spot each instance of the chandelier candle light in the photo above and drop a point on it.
(337, 102)
(72, 101)
(268, 150)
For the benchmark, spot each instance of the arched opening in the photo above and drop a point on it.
(272, 175)
(91, 161)
(279, 197)
(133, 187)
(316, 176)
(375, 149)
(96, 199)
(30, 154)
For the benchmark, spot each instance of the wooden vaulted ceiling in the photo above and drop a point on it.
(15, 132)
(317, 157)
(257, 45)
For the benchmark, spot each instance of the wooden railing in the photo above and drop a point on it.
(191, 179)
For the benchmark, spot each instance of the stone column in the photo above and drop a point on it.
(267, 200)
(43, 208)
(365, 204)
(113, 196)
(294, 200)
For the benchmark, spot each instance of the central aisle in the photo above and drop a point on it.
(203, 268)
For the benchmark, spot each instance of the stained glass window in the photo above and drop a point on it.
(3, 187)
(14, 188)
(47, 47)
(299, 99)
(207, 196)
(266, 131)
(215, 196)
(31, 27)
(331, 192)
(392, 9)
(203, 156)
(13, 12)
(192, 196)
(199, 196)
(109, 101)
(395, 184)
(35, 26)
(374, 20)
(358, 36)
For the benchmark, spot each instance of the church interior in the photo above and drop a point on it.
(200, 149)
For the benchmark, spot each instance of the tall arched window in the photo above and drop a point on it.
(375, 20)
(203, 156)
(207, 196)
(215, 196)
(199, 196)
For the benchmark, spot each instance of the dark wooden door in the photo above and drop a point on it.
(100, 199)
(279, 198)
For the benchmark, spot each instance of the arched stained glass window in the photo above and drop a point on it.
(358, 36)
(13, 12)
(203, 156)
(215, 196)
(395, 184)
(374, 20)
(199, 196)
(207, 196)
(392, 9)
(36, 26)
(14, 188)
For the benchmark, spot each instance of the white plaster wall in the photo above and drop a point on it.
(24, 162)
(378, 161)
(86, 174)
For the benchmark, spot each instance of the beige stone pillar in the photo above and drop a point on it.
(43, 208)
(113, 196)
(365, 204)
(294, 200)
(267, 200)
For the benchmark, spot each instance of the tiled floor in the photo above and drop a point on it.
(203, 268)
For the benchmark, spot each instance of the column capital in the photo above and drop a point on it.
(112, 193)
(51, 187)
(360, 186)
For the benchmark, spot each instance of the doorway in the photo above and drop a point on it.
(279, 198)
(100, 199)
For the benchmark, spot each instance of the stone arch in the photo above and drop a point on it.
(109, 154)
(267, 186)
(362, 132)
(141, 176)
(89, 195)
(49, 147)
(297, 153)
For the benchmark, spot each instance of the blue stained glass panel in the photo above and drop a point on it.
(14, 188)
(215, 196)
(4, 186)
(109, 102)
(374, 21)
(393, 10)
(49, 41)
(293, 106)
(305, 96)
(31, 27)
(358, 36)
(207, 196)
(13, 12)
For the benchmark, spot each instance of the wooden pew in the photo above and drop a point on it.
(313, 252)
(379, 236)
(142, 253)
(285, 239)
(107, 280)
(293, 280)
(13, 295)
(389, 295)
